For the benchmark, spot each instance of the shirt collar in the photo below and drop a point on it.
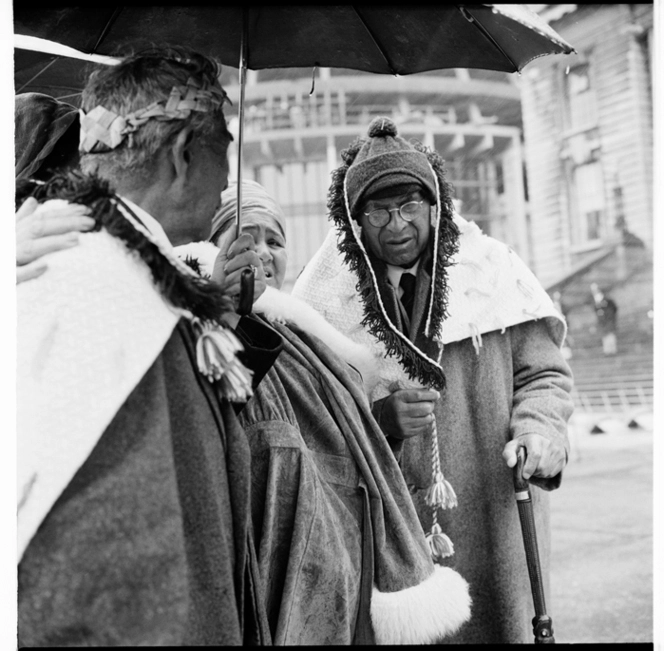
(394, 273)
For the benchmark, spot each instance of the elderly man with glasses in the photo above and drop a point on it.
(471, 364)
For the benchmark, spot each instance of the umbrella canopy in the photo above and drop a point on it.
(60, 72)
(41, 72)
(381, 39)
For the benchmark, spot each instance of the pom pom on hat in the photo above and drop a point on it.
(386, 160)
(381, 127)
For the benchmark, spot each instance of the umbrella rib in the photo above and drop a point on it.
(43, 70)
(376, 43)
(109, 23)
(473, 21)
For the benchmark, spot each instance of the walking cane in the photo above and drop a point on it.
(542, 623)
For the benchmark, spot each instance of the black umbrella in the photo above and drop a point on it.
(382, 39)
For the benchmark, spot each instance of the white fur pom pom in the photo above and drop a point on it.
(423, 614)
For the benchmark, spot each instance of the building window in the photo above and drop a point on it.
(590, 202)
(581, 99)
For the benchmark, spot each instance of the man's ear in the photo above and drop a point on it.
(182, 152)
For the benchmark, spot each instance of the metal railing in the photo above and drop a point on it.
(617, 398)
(266, 116)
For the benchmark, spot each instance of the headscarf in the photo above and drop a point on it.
(41, 123)
(254, 198)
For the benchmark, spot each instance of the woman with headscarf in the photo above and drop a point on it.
(341, 552)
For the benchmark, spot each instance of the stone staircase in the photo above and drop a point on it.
(622, 383)
(614, 384)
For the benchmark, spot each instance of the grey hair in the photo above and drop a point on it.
(136, 82)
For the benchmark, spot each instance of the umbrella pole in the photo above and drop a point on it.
(247, 277)
(542, 623)
(240, 137)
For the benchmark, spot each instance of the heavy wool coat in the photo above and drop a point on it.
(505, 377)
(517, 383)
(474, 424)
(150, 543)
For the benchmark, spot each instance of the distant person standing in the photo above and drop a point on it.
(606, 311)
(562, 308)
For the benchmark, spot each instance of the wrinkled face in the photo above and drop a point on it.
(398, 242)
(270, 244)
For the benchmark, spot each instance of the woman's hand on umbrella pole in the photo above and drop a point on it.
(230, 264)
(39, 232)
(544, 458)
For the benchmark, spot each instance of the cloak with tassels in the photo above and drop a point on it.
(485, 334)
(134, 522)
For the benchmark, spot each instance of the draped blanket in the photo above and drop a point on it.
(490, 288)
(87, 332)
(150, 542)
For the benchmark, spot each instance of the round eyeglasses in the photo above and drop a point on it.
(408, 211)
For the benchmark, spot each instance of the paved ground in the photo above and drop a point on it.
(602, 537)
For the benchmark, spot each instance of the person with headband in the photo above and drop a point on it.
(134, 492)
(470, 370)
(342, 554)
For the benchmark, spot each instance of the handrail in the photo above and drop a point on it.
(623, 397)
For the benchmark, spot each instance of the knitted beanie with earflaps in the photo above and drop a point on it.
(385, 160)
(372, 164)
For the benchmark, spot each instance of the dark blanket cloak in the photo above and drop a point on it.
(150, 543)
(335, 526)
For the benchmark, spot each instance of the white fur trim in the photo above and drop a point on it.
(205, 252)
(423, 614)
(284, 308)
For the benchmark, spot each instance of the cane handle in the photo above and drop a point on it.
(520, 484)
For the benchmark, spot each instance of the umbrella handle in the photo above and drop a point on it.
(246, 292)
(542, 623)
